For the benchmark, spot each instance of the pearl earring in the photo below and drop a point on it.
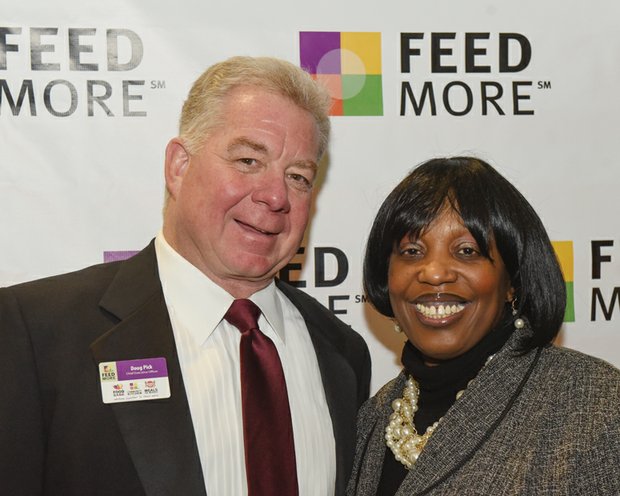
(519, 322)
(397, 327)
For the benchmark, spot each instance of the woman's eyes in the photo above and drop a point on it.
(411, 251)
(417, 251)
(468, 251)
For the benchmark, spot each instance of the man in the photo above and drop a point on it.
(239, 186)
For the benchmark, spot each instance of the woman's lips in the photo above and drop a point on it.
(439, 308)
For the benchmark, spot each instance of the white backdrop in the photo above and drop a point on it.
(78, 179)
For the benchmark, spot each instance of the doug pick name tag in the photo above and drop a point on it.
(134, 380)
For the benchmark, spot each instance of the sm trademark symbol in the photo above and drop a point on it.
(544, 85)
(158, 85)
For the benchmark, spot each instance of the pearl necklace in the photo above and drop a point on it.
(401, 435)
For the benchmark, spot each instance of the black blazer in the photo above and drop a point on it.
(57, 437)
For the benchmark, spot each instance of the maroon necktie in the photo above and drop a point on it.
(267, 429)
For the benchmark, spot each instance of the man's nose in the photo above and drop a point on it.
(271, 189)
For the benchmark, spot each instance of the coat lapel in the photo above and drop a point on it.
(339, 382)
(159, 434)
(471, 420)
(371, 438)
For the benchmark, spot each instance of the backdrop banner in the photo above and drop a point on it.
(90, 93)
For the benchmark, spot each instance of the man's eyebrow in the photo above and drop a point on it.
(306, 164)
(245, 142)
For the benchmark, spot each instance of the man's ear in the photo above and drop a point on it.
(177, 162)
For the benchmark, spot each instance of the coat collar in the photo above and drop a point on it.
(159, 433)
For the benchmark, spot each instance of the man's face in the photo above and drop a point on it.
(239, 207)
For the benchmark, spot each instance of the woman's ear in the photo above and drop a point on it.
(177, 162)
(510, 295)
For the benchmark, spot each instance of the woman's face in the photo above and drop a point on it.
(445, 294)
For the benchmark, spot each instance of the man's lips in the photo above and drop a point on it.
(256, 229)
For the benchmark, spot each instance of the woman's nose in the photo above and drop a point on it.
(437, 270)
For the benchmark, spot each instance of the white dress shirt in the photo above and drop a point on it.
(208, 349)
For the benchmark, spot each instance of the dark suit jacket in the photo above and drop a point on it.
(57, 437)
(542, 423)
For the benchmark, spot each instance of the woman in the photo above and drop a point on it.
(485, 404)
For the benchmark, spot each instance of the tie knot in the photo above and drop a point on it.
(243, 314)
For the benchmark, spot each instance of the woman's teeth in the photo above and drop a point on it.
(439, 311)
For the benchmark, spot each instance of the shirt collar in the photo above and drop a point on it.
(268, 300)
(199, 304)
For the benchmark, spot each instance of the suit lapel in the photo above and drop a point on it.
(471, 420)
(159, 434)
(339, 382)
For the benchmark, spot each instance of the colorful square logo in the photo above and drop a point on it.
(564, 252)
(349, 65)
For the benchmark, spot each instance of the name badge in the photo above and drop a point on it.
(134, 380)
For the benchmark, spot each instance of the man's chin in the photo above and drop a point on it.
(256, 268)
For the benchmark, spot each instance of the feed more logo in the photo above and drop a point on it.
(434, 73)
(71, 71)
(459, 74)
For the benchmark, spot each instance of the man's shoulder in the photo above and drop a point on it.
(80, 280)
(308, 305)
(317, 314)
(75, 287)
(51, 306)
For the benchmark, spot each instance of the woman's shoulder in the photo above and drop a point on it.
(578, 371)
(579, 364)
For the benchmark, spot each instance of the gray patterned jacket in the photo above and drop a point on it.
(543, 423)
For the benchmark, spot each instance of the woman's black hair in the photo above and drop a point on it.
(492, 209)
